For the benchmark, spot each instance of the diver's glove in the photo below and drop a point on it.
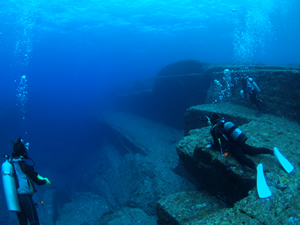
(44, 178)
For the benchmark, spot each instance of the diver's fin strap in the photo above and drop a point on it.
(283, 161)
(261, 183)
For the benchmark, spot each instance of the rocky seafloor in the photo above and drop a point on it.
(283, 207)
(149, 186)
(153, 167)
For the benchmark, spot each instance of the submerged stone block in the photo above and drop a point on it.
(181, 207)
(237, 187)
(229, 184)
(209, 167)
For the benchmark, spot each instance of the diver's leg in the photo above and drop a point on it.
(30, 211)
(250, 150)
(256, 102)
(21, 215)
(238, 153)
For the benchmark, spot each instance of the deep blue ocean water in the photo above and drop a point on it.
(75, 53)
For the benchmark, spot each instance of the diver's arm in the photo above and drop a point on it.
(29, 170)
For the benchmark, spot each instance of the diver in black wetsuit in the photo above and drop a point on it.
(24, 175)
(230, 138)
(251, 89)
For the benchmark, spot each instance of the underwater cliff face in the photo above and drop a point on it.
(182, 84)
(279, 87)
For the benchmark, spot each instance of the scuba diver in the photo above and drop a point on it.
(17, 176)
(251, 89)
(230, 139)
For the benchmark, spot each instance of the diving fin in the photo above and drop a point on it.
(283, 161)
(261, 183)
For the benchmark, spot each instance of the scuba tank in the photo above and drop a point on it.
(254, 85)
(9, 186)
(235, 133)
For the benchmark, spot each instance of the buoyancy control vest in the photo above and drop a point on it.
(24, 184)
(227, 130)
(235, 133)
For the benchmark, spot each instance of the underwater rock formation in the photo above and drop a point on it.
(178, 86)
(280, 89)
(189, 66)
(85, 208)
(182, 207)
(240, 115)
(186, 83)
(229, 184)
(138, 179)
(138, 167)
(208, 166)
(127, 216)
(209, 169)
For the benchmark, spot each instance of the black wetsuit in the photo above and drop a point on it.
(249, 90)
(238, 150)
(28, 210)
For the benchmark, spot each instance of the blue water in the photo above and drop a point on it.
(75, 53)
